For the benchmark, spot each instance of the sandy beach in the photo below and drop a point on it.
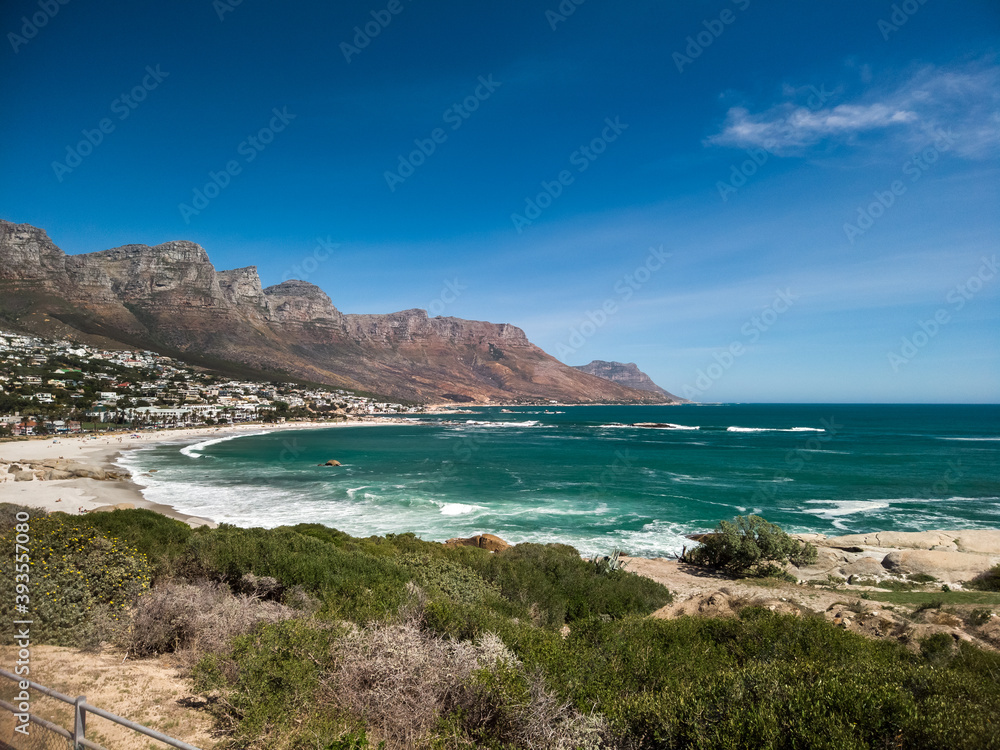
(83, 494)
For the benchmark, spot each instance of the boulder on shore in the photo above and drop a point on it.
(950, 567)
(89, 472)
(23, 476)
(948, 556)
(980, 541)
(483, 541)
(63, 468)
(110, 508)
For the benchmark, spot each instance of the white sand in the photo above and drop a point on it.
(83, 495)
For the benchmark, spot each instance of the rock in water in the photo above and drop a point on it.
(331, 462)
(483, 541)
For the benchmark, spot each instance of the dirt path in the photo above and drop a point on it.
(690, 581)
(151, 692)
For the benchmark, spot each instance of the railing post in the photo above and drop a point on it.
(79, 722)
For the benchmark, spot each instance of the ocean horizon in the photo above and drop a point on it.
(635, 478)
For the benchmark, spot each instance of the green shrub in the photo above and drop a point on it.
(351, 585)
(558, 586)
(765, 681)
(489, 666)
(466, 621)
(391, 545)
(933, 604)
(404, 686)
(442, 577)
(937, 648)
(78, 577)
(978, 617)
(750, 546)
(163, 540)
(270, 681)
(988, 581)
(762, 681)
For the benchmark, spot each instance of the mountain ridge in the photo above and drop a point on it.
(171, 297)
(627, 374)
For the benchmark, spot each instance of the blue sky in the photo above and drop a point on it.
(754, 201)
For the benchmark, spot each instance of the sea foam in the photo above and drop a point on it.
(196, 450)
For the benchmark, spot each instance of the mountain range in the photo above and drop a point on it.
(170, 298)
(628, 375)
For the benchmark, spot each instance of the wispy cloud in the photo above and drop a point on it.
(965, 101)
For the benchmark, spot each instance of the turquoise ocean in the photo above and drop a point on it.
(589, 477)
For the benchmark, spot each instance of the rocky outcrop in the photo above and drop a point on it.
(628, 375)
(948, 557)
(242, 288)
(979, 541)
(30, 256)
(59, 468)
(848, 604)
(940, 564)
(170, 298)
(299, 302)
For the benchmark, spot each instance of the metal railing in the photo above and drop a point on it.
(80, 711)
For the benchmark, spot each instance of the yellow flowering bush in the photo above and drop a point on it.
(76, 571)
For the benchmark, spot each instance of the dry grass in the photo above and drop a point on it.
(402, 681)
(192, 619)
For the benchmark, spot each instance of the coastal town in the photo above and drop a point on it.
(51, 387)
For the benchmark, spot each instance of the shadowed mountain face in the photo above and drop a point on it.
(628, 375)
(170, 298)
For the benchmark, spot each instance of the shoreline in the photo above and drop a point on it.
(79, 495)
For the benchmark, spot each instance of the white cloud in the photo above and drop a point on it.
(964, 101)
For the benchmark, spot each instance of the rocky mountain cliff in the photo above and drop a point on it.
(628, 375)
(170, 298)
